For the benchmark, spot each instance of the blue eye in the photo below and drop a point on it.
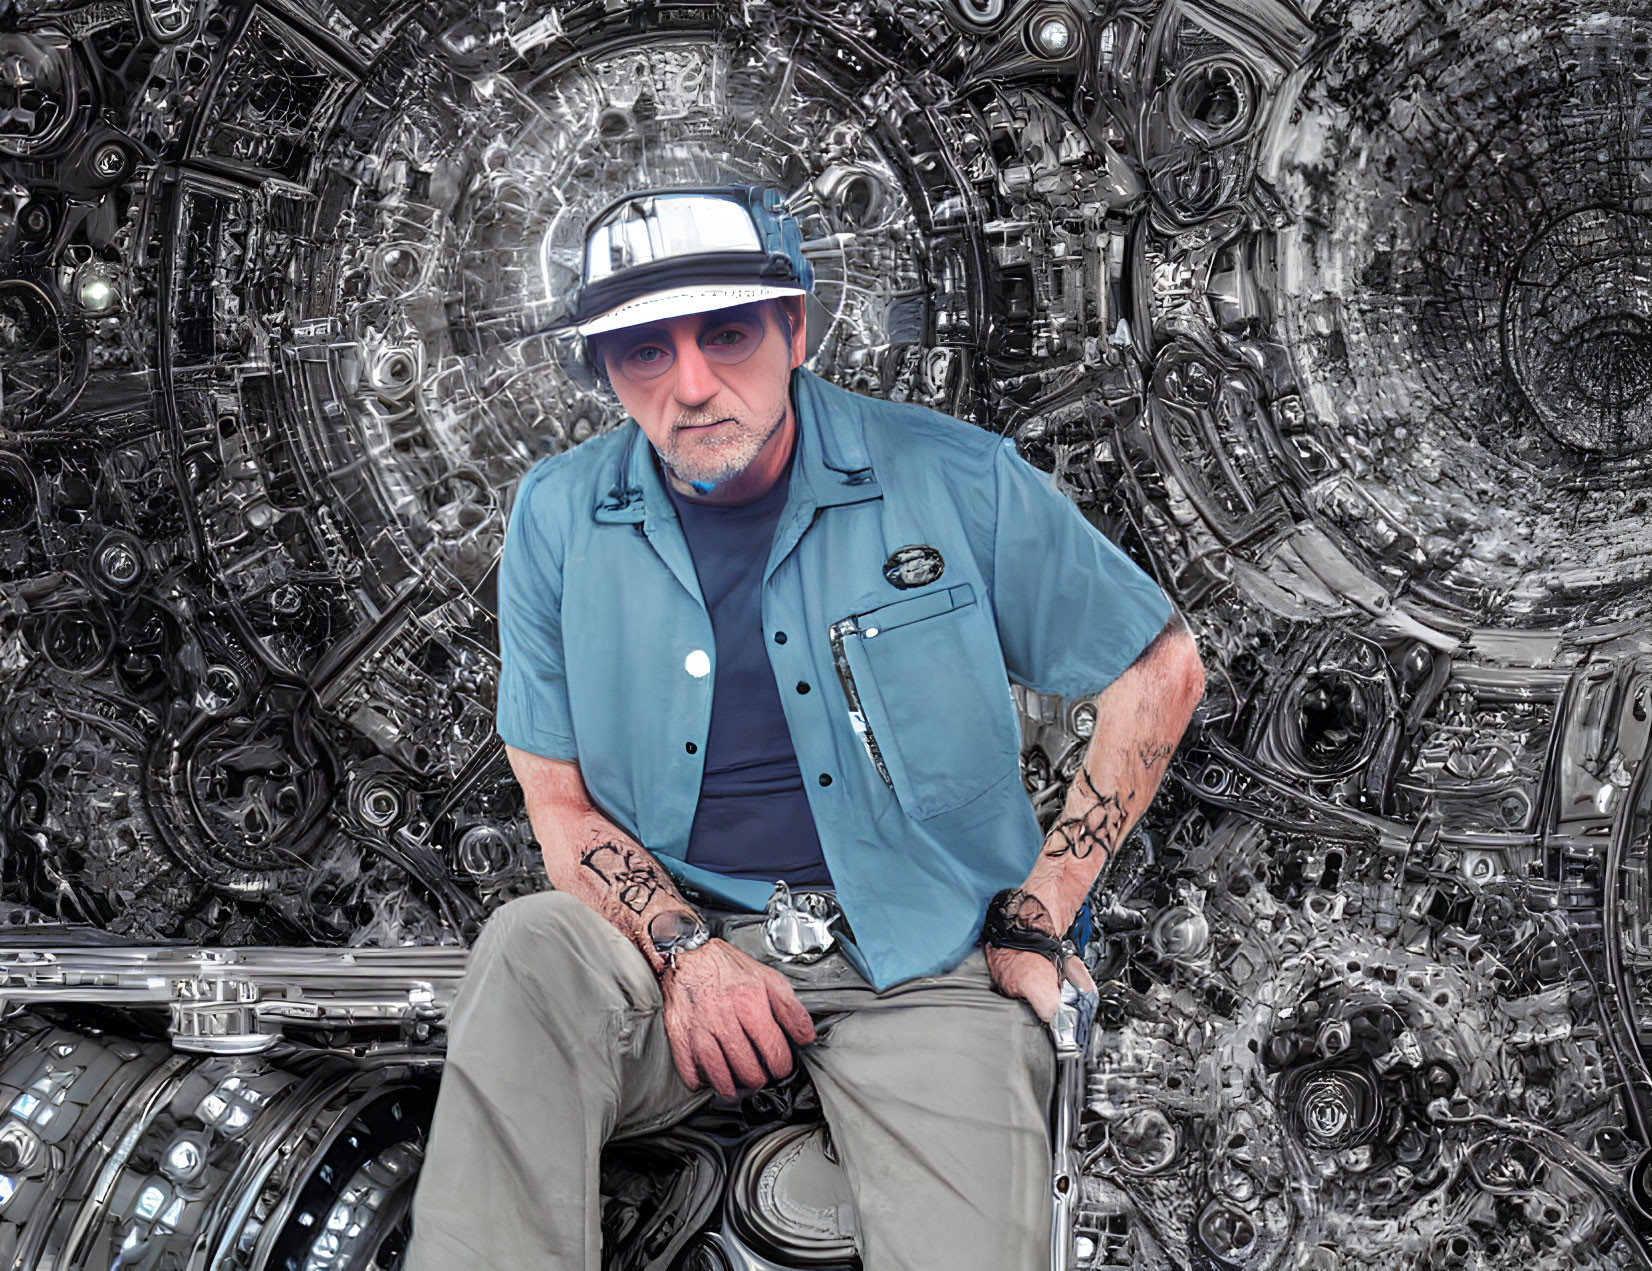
(644, 361)
(732, 342)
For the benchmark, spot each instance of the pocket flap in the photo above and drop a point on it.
(914, 609)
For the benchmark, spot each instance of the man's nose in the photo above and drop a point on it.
(697, 381)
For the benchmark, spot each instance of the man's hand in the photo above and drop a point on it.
(727, 1017)
(1029, 976)
(1017, 923)
(1033, 978)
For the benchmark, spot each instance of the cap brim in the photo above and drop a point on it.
(679, 301)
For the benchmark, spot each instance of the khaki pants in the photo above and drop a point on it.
(937, 1092)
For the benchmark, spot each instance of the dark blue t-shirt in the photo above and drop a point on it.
(753, 818)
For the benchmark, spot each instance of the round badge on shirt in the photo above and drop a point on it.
(914, 565)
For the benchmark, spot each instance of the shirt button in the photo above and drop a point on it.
(698, 663)
(690, 747)
(803, 686)
(825, 778)
(780, 637)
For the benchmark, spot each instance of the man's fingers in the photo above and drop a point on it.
(789, 1012)
(1074, 971)
(682, 1053)
(709, 1056)
(684, 1063)
(742, 1059)
(763, 1031)
(1042, 992)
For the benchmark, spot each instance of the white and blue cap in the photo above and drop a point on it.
(663, 253)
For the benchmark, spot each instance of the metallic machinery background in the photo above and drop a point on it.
(1338, 317)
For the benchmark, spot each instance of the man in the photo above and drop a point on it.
(773, 644)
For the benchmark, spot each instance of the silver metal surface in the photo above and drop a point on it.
(798, 927)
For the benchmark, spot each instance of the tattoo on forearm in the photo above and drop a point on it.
(1098, 826)
(632, 878)
(1153, 755)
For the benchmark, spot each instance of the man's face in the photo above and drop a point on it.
(707, 389)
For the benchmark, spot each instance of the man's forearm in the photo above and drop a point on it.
(1139, 719)
(616, 876)
(590, 857)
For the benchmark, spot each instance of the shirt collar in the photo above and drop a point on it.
(832, 465)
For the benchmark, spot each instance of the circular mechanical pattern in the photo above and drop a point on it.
(1335, 317)
(1578, 328)
(1214, 101)
(38, 93)
(1485, 239)
(1144, 1142)
(792, 1200)
(310, 1165)
(1054, 34)
(259, 788)
(1332, 1107)
(118, 561)
(245, 802)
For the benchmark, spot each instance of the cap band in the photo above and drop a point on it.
(660, 305)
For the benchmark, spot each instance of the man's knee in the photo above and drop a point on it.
(557, 943)
(544, 918)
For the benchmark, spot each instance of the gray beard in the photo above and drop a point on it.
(725, 472)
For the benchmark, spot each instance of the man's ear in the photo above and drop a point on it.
(797, 310)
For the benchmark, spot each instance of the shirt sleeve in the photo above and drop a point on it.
(533, 712)
(1073, 611)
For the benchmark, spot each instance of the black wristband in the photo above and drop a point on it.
(1005, 928)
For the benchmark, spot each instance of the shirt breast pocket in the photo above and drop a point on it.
(933, 696)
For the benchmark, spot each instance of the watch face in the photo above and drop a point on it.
(677, 930)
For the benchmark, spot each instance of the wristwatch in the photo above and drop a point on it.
(674, 933)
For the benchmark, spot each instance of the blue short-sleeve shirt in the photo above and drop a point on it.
(607, 653)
